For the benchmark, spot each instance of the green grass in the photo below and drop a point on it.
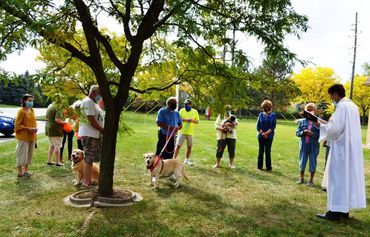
(221, 202)
(8, 106)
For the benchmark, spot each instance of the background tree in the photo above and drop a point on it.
(201, 25)
(13, 87)
(272, 81)
(361, 95)
(314, 84)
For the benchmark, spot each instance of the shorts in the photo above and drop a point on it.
(182, 137)
(92, 149)
(56, 142)
(24, 152)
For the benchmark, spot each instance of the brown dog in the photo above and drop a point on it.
(157, 167)
(77, 167)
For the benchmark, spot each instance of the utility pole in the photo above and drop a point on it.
(354, 59)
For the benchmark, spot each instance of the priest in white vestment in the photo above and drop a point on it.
(345, 167)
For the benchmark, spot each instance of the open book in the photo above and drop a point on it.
(310, 116)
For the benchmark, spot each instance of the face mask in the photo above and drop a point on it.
(98, 97)
(187, 108)
(172, 106)
(29, 104)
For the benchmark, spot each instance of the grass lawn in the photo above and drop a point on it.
(8, 106)
(216, 202)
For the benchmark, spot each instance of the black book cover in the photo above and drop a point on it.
(310, 116)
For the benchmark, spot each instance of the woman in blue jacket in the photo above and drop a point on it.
(266, 124)
(309, 146)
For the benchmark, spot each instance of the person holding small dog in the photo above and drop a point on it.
(309, 132)
(226, 136)
(169, 122)
(266, 124)
(189, 117)
(25, 133)
(90, 129)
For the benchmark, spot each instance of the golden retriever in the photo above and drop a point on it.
(77, 167)
(165, 168)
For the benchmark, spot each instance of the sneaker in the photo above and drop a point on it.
(216, 166)
(300, 182)
(232, 166)
(27, 174)
(50, 163)
(310, 184)
(59, 164)
(188, 162)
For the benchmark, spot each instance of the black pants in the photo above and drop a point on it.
(168, 152)
(264, 147)
(221, 145)
(70, 143)
(79, 144)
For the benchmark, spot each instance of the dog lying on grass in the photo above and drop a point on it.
(77, 167)
(158, 167)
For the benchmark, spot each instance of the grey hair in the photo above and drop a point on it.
(93, 89)
(170, 98)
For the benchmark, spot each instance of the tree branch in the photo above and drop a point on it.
(34, 26)
(126, 22)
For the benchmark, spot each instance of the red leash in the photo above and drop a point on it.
(167, 140)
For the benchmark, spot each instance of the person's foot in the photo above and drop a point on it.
(300, 181)
(20, 175)
(216, 166)
(310, 184)
(27, 174)
(323, 189)
(50, 163)
(270, 169)
(232, 166)
(59, 164)
(333, 216)
(188, 162)
(259, 170)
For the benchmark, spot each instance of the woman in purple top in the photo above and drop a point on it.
(266, 124)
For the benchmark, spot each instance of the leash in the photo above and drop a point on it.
(168, 138)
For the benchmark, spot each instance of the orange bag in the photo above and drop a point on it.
(67, 127)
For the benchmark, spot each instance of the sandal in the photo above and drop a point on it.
(59, 164)
(27, 174)
(50, 163)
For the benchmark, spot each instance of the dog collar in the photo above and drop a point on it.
(151, 168)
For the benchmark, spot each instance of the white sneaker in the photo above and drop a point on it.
(232, 166)
(188, 162)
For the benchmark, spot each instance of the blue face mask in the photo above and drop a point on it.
(98, 97)
(187, 108)
(29, 104)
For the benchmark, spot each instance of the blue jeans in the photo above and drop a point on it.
(264, 147)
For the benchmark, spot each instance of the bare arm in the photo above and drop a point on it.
(94, 123)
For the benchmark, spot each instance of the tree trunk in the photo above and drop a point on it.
(108, 154)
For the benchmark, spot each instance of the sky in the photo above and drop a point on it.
(327, 43)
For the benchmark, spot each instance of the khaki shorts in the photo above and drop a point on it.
(24, 152)
(92, 149)
(182, 137)
(56, 142)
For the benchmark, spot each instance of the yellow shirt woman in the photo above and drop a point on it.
(25, 119)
